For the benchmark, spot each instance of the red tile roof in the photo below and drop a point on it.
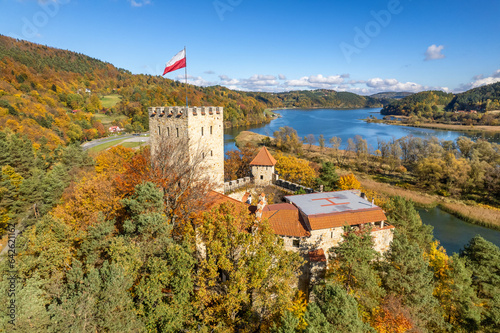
(362, 216)
(285, 220)
(317, 255)
(264, 157)
(215, 198)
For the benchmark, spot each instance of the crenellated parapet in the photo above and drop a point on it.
(182, 111)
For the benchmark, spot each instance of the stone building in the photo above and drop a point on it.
(312, 222)
(263, 168)
(199, 131)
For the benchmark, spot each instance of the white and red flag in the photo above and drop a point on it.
(177, 62)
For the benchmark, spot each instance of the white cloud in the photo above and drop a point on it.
(195, 80)
(227, 81)
(209, 72)
(434, 52)
(480, 80)
(139, 3)
(316, 81)
(271, 83)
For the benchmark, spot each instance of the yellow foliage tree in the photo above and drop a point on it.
(295, 169)
(113, 160)
(298, 309)
(349, 182)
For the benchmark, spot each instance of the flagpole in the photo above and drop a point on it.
(186, 74)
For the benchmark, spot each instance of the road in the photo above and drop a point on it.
(127, 137)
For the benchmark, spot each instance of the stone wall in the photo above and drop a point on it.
(292, 186)
(234, 185)
(262, 174)
(328, 238)
(382, 238)
(201, 127)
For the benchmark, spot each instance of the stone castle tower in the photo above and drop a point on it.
(199, 131)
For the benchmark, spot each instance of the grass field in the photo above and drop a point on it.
(110, 100)
(133, 144)
(108, 120)
(106, 145)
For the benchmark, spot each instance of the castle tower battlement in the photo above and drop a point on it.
(203, 130)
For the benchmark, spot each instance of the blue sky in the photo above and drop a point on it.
(277, 45)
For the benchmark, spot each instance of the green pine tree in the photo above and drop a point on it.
(328, 176)
(483, 259)
(407, 274)
(334, 311)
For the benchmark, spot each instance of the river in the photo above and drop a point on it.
(452, 232)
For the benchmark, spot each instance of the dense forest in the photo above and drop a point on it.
(423, 103)
(120, 252)
(470, 107)
(119, 242)
(56, 94)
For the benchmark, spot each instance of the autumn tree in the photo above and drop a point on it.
(244, 275)
(295, 169)
(336, 153)
(349, 182)
(321, 141)
(237, 163)
(287, 140)
(310, 139)
(391, 317)
(181, 178)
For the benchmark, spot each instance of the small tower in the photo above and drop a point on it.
(263, 167)
(199, 132)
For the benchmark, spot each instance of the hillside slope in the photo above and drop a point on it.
(55, 94)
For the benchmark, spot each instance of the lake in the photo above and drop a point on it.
(452, 232)
(345, 124)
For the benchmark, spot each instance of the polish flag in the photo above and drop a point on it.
(177, 62)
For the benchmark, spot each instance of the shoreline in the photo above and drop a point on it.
(439, 126)
(473, 214)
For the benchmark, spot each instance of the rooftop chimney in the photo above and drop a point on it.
(260, 206)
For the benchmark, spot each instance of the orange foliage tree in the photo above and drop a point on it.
(237, 163)
(391, 317)
(184, 185)
(85, 200)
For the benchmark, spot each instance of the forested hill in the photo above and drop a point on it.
(419, 103)
(392, 94)
(57, 95)
(318, 98)
(485, 98)
(432, 103)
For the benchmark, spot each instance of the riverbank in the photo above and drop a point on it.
(438, 126)
(474, 214)
(483, 216)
